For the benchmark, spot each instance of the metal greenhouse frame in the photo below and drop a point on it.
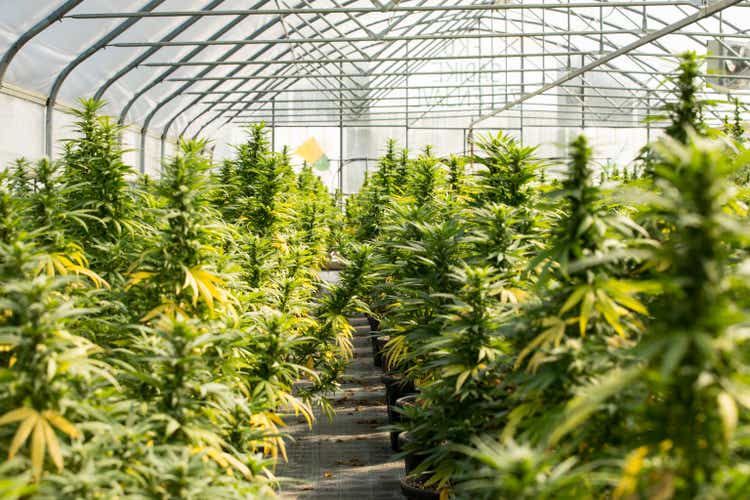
(169, 68)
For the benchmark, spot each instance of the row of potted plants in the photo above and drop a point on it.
(579, 335)
(154, 334)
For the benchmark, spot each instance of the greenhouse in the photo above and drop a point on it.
(374, 249)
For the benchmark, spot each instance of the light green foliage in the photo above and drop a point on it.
(153, 333)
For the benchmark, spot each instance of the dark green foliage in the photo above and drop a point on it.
(687, 112)
(96, 176)
(508, 171)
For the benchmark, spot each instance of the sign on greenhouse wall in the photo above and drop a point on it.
(729, 65)
(312, 153)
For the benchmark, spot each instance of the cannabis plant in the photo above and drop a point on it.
(690, 364)
(428, 181)
(512, 470)
(50, 371)
(96, 182)
(180, 274)
(463, 356)
(508, 170)
(588, 307)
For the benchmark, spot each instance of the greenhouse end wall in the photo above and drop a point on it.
(22, 118)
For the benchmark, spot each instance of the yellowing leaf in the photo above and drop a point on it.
(574, 299)
(37, 450)
(136, 278)
(462, 379)
(22, 434)
(631, 469)
(551, 336)
(16, 415)
(605, 306)
(586, 306)
(728, 413)
(61, 423)
(53, 445)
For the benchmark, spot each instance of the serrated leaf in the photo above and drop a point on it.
(37, 450)
(22, 433)
(16, 415)
(53, 445)
(462, 379)
(586, 308)
(61, 423)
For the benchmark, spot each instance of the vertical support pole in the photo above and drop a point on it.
(544, 47)
(162, 148)
(406, 108)
(492, 60)
(341, 133)
(583, 98)
(48, 131)
(523, 73)
(563, 135)
(273, 123)
(507, 51)
(601, 29)
(479, 61)
(464, 142)
(648, 122)
(142, 160)
(570, 60)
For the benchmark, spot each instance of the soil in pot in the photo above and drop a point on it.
(414, 488)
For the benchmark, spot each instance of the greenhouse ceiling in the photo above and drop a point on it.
(187, 67)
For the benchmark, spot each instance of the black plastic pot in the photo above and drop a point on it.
(395, 417)
(374, 323)
(395, 387)
(379, 347)
(411, 460)
(412, 491)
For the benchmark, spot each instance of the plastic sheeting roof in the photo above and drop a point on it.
(189, 66)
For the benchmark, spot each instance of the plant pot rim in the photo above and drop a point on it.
(411, 489)
(407, 399)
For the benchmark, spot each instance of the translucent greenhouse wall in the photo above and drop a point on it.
(23, 128)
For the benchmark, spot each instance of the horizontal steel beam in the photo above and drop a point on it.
(610, 119)
(376, 60)
(380, 60)
(424, 98)
(355, 75)
(387, 10)
(441, 73)
(437, 128)
(383, 39)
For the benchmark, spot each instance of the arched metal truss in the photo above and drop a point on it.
(191, 67)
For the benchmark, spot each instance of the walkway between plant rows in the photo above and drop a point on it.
(349, 458)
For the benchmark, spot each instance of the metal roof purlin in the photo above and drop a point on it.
(97, 46)
(703, 13)
(153, 50)
(29, 34)
(276, 94)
